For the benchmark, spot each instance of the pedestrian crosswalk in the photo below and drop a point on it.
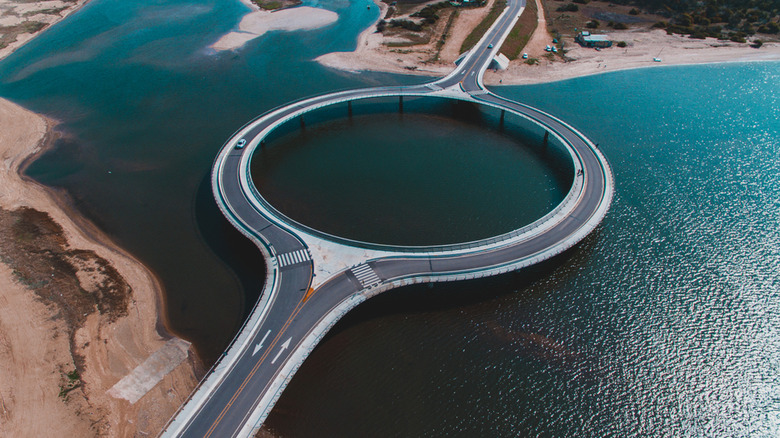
(366, 275)
(291, 258)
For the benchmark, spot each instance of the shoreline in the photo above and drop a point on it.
(102, 347)
(42, 15)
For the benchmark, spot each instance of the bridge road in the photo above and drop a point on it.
(291, 309)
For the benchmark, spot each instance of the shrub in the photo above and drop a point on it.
(621, 44)
(406, 24)
(571, 7)
(737, 39)
(634, 11)
(756, 44)
(593, 24)
(619, 26)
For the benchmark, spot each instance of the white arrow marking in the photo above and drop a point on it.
(285, 346)
(260, 345)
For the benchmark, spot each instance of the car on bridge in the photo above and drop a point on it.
(241, 143)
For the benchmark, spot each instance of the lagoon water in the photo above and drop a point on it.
(663, 322)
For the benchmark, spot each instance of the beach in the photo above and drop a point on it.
(43, 343)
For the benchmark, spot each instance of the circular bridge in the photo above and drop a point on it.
(314, 278)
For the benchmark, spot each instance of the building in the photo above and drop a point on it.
(586, 39)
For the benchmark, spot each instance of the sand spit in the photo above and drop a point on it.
(22, 20)
(257, 23)
(41, 346)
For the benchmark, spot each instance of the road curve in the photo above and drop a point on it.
(296, 310)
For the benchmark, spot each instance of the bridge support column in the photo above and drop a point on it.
(349, 108)
(303, 122)
(262, 144)
(400, 104)
(501, 122)
(546, 139)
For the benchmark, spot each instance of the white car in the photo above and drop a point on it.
(241, 143)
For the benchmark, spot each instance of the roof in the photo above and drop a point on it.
(595, 38)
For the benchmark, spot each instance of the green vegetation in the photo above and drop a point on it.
(483, 26)
(73, 382)
(429, 13)
(592, 24)
(520, 34)
(272, 5)
(531, 61)
(621, 44)
(570, 7)
(617, 26)
(724, 19)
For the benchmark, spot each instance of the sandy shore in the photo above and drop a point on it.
(36, 352)
(372, 54)
(256, 23)
(22, 20)
(643, 46)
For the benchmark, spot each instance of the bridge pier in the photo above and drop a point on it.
(349, 109)
(400, 104)
(501, 122)
(546, 139)
(303, 122)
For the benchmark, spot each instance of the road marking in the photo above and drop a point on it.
(260, 344)
(294, 257)
(366, 275)
(285, 346)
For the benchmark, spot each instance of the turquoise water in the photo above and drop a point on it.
(663, 322)
(145, 106)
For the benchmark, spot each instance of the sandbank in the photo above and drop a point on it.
(256, 23)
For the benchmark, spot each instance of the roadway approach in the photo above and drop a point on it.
(312, 278)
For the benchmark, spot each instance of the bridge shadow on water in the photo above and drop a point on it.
(522, 285)
(245, 261)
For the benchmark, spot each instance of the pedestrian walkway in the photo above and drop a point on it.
(294, 257)
(366, 275)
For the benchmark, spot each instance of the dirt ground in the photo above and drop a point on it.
(377, 52)
(76, 313)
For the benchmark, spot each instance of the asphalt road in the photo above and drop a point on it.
(292, 310)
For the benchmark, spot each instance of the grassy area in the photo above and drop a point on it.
(520, 34)
(483, 26)
(272, 5)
